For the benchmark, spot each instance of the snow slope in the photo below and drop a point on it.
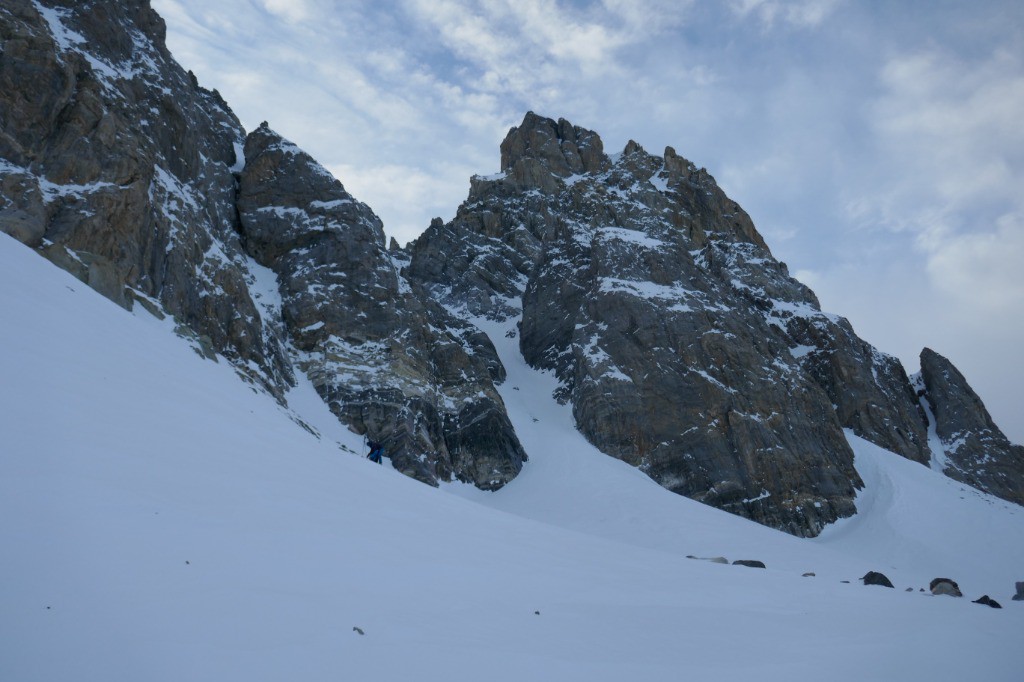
(161, 520)
(914, 524)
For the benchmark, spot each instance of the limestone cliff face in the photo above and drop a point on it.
(974, 450)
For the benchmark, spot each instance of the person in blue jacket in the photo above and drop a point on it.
(376, 452)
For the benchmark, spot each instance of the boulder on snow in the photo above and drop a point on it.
(752, 563)
(1020, 592)
(945, 586)
(987, 601)
(876, 578)
(809, 574)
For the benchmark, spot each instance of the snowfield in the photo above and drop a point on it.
(162, 520)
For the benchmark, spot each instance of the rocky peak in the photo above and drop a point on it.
(541, 147)
(117, 167)
(285, 183)
(974, 450)
(388, 364)
(643, 262)
(683, 346)
(955, 402)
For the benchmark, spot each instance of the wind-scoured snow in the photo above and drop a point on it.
(141, 63)
(65, 38)
(631, 236)
(659, 181)
(162, 520)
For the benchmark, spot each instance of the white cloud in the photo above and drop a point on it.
(952, 133)
(406, 193)
(293, 11)
(651, 16)
(528, 48)
(798, 13)
(983, 268)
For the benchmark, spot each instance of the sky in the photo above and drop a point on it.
(878, 146)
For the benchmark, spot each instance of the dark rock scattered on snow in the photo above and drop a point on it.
(808, 575)
(1020, 592)
(876, 578)
(712, 559)
(987, 601)
(752, 563)
(945, 586)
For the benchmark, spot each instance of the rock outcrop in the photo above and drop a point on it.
(116, 165)
(684, 347)
(974, 450)
(986, 600)
(387, 363)
(876, 578)
(750, 563)
(944, 586)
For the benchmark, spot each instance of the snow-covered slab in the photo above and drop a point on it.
(631, 236)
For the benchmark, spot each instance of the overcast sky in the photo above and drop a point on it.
(878, 145)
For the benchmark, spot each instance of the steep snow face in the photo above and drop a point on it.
(162, 520)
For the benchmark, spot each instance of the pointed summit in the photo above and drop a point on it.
(976, 451)
(558, 146)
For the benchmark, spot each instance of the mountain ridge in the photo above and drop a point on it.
(682, 345)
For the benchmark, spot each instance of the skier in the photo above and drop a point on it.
(376, 452)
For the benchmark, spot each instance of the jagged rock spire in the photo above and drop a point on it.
(387, 363)
(540, 147)
(975, 450)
